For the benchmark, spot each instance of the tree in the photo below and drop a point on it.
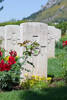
(1, 6)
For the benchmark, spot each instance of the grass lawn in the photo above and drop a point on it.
(44, 94)
(57, 65)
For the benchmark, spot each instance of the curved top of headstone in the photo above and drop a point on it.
(54, 32)
(53, 27)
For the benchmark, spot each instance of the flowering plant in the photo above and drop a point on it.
(9, 72)
(64, 43)
(10, 65)
(35, 81)
(6, 65)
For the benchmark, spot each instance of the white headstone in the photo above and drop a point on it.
(55, 32)
(2, 37)
(12, 38)
(51, 42)
(54, 35)
(58, 34)
(35, 31)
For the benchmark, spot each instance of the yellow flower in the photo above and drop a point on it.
(42, 78)
(37, 78)
(6, 58)
(49, 79)
(32, 82)
(26, 74)
(33, 76)
(17, 56)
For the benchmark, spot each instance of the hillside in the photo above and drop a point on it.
(51, 12)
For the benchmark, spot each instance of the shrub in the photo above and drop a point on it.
(6, 82)
(35, 82)
(10, 65)
(9, 69)
(62, 26)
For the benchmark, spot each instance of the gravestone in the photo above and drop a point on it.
(12, 38)
(55, 32)
(58, 34)
(2, 37)
(54, 35)
(51, 42)
(38, 32)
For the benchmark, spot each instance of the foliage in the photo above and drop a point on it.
(57, 65)
(65, 76)
(58, 83)
(35, 82)
(13, 23)
(10, 65)
(63, 38)
(9, 69)
(30, 49)
(62, 26)
(59, 44)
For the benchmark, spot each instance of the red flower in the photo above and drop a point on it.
(11, 60)
(64, 43)
(7, 67)
(4, 66)
(13, 53)
(2, 61)
(1, 54)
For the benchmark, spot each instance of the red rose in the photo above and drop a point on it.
(13, 53)
(7, 67)
(2, 65)
(64, 43)
(11, 60)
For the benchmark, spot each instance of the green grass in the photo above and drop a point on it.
(58, 84)
(57, 65)
(64, 38)
(44, 94)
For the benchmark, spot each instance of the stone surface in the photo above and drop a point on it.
(2, 37)
(12, 38)
(35, 31)
(45, 35)
(54, 35)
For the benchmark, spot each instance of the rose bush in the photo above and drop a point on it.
(10, 65)
(9, 72)
(6, 65)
